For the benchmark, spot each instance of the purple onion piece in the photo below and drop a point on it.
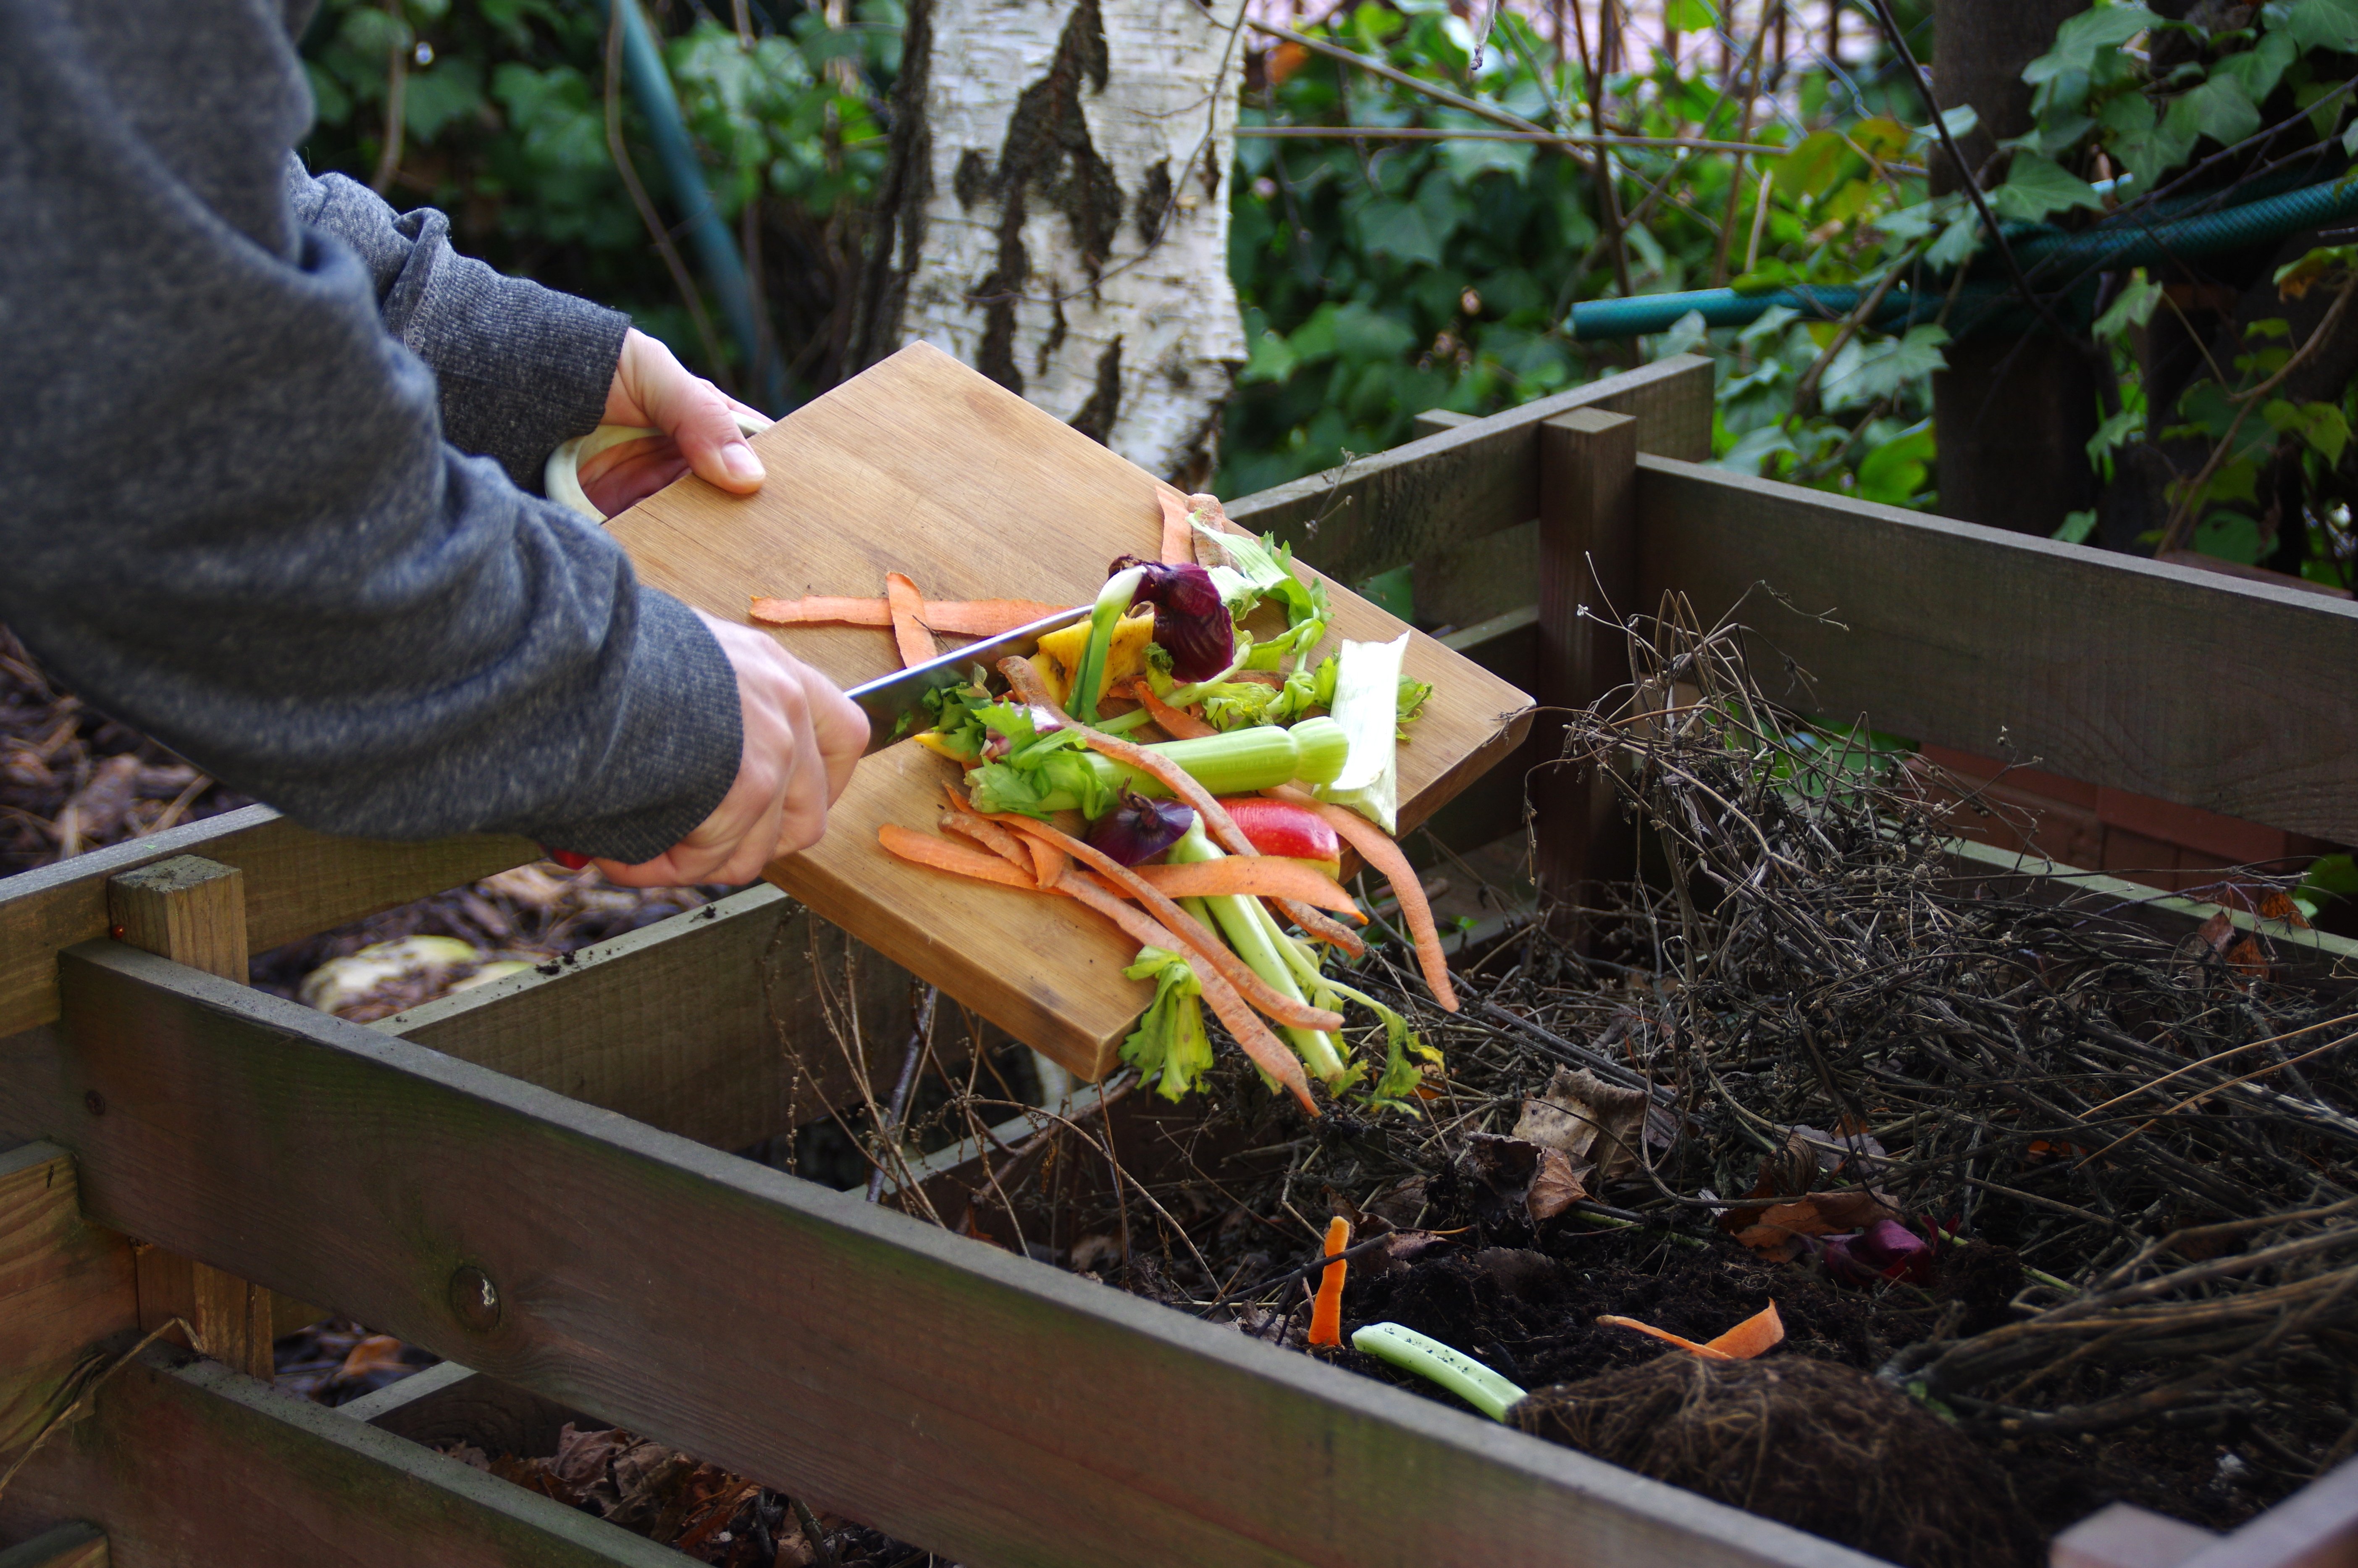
(1190, 621)
(1884, 1251)
(1137, 829)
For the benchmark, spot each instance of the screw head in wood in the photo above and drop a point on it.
(95, 1103)
(475, 1298)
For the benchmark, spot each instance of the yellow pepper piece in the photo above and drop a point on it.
(1125, 655)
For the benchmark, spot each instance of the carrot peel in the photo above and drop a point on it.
(1376, 847)
(1747, 1339)
(1326, 1310)
(908, 608)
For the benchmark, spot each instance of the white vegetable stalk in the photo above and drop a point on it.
(1367, 705)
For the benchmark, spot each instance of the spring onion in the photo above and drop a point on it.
(1113, 602)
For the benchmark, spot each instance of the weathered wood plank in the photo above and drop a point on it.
(710, 1024)
(1587, 581)
(960, 1398)
(2188, 686)
(193, 910)
(2317, 1527)
(297, 882)
(74, 1546)
(195, 1465)
(64, 1285)
(450, 1403)
(1443, 490)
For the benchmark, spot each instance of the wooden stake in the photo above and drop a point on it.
(1589, 561)
(193, 910)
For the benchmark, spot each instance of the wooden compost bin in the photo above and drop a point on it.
(529, 1179)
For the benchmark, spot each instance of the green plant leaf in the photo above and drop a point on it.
(2323, 25)
(2322, 424)
(1401, 230)
(2117, 429)
(2222, 109)
(2037, 185)
(1813, 166)
(1864, 373)
(2078, 39)
(2133, 308)
(1895, 471)
(2076, 527)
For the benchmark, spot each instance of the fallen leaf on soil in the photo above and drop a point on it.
(1589, 1119)
(1776, 1234)
(1555, 1186)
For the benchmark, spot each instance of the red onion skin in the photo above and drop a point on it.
(1138, 829)
(1191, 624)
(1884, 1251)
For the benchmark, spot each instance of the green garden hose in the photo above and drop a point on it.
(2042, 251)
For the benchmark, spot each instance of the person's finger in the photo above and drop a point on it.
(803, 819)
(705, 426)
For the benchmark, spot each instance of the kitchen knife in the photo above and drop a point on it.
(895, 704)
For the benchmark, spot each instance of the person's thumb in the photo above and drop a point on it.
(706, 428)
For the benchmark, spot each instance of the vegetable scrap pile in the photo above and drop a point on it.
(1206, 845)
(2079, 1186)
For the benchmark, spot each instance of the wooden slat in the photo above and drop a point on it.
(1587, 580)
(193, 910)
(2188, 686)
(64, 1286)
(297, 882)
(195, 1466)
(1445, 491)
(74, 1546)
(2317, 1527)
(709, 1024)
(450, 1403)
(957, 1396)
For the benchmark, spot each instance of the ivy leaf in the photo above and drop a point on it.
(2038, 185)
(2116, 430)
(2322, 424)
(2133, 308)
(2078, 39)
(1896, 470)
(2222, 109)
(2259, 69)
(2075, 527)
(2323, 25)
(1363, 335)
(1399, 229)
(2295, 278)
(1273, 358)
(1865, 373)
(1814, 165)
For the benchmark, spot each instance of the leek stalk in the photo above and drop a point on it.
(1113, 601)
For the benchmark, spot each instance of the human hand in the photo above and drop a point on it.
(802, 738)
(698, 426)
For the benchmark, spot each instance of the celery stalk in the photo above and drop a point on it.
(1246, 924)
(1367, 705)
(1237, 763)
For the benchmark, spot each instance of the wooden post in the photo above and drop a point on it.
(193, 910)
(1588, 560)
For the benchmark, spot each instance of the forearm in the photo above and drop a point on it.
(519, 367)
(228, 516)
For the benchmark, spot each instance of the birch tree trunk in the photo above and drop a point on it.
(1056, 213)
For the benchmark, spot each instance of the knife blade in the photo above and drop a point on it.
(895, 704)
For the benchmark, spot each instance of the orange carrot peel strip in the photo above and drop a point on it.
(962, 617)
(1755, 1335)
(1185, 926)
(1023, 680)
(1326, 1309)
(1219, 824)
(961, 860)
(1376, 847)
(1266, 1050)
(908, 619)
(1175, 722)
(1264, 876)
(1178, 536)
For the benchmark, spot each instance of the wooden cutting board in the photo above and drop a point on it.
(923, 466)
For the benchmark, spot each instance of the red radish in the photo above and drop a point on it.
(1280, 828)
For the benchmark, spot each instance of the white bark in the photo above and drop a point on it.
(1120, 257)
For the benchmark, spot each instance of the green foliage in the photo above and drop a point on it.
(503, 127)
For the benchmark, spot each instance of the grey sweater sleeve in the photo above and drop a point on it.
(228, 511)
(520, 367)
